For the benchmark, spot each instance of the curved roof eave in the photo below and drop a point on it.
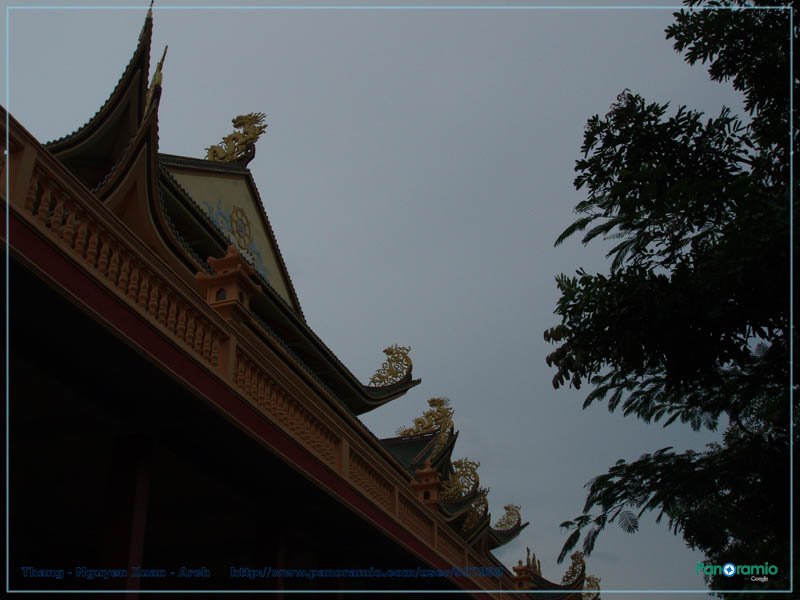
(406, 448)
(439, 461)
(456, 509)
(442, 460)
(500, 537)
(560, 591)
(139, 60)
(146, 133)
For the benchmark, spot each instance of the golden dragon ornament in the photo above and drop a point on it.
(239, 146)
(511, 519)
(437, 419)
(396, 367)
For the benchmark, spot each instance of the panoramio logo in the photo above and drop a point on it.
(756, 572)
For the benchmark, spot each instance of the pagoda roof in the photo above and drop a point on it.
(455, 508)
(406, 449)
(116, 153)
(92, 150)
(500, 537)
(456, 511)
(277, 316)
(529, 576)
(563, 591)
(414, 450)
(422, 444)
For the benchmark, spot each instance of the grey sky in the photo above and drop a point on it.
(417, 168)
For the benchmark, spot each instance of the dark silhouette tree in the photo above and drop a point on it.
(692, 321)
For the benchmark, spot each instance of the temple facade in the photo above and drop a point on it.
(175, 424)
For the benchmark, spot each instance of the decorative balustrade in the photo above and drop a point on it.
(415, 519)
(451, 547)
(371, 482)
(62, 217)
(284, 409)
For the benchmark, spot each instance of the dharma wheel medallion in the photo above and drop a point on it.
(240, 227)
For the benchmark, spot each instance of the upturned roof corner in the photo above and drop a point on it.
(94, 148)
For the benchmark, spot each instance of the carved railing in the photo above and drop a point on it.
(64, 219)
(51, 201)
(416, 519)
(286, 410)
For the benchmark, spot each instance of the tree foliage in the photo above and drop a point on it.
(691, 323)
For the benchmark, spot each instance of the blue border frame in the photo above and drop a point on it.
(415, 7)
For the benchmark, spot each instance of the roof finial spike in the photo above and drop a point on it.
(157, 77)
(161, 61)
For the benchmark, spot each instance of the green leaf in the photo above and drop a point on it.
(578, 225)
(571, 542)
(628, 521)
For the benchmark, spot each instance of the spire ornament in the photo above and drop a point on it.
(155, 84)
(534, 564)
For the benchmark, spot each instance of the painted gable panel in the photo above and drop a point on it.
(229, 202)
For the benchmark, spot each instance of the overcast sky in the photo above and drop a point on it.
(417, 169)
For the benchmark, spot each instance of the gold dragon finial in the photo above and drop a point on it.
(591, 588)
(511, 519)
(396, 367)
(239, 146)
(462, 481)
(591, 584)
(437, 418)
(576, 568)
